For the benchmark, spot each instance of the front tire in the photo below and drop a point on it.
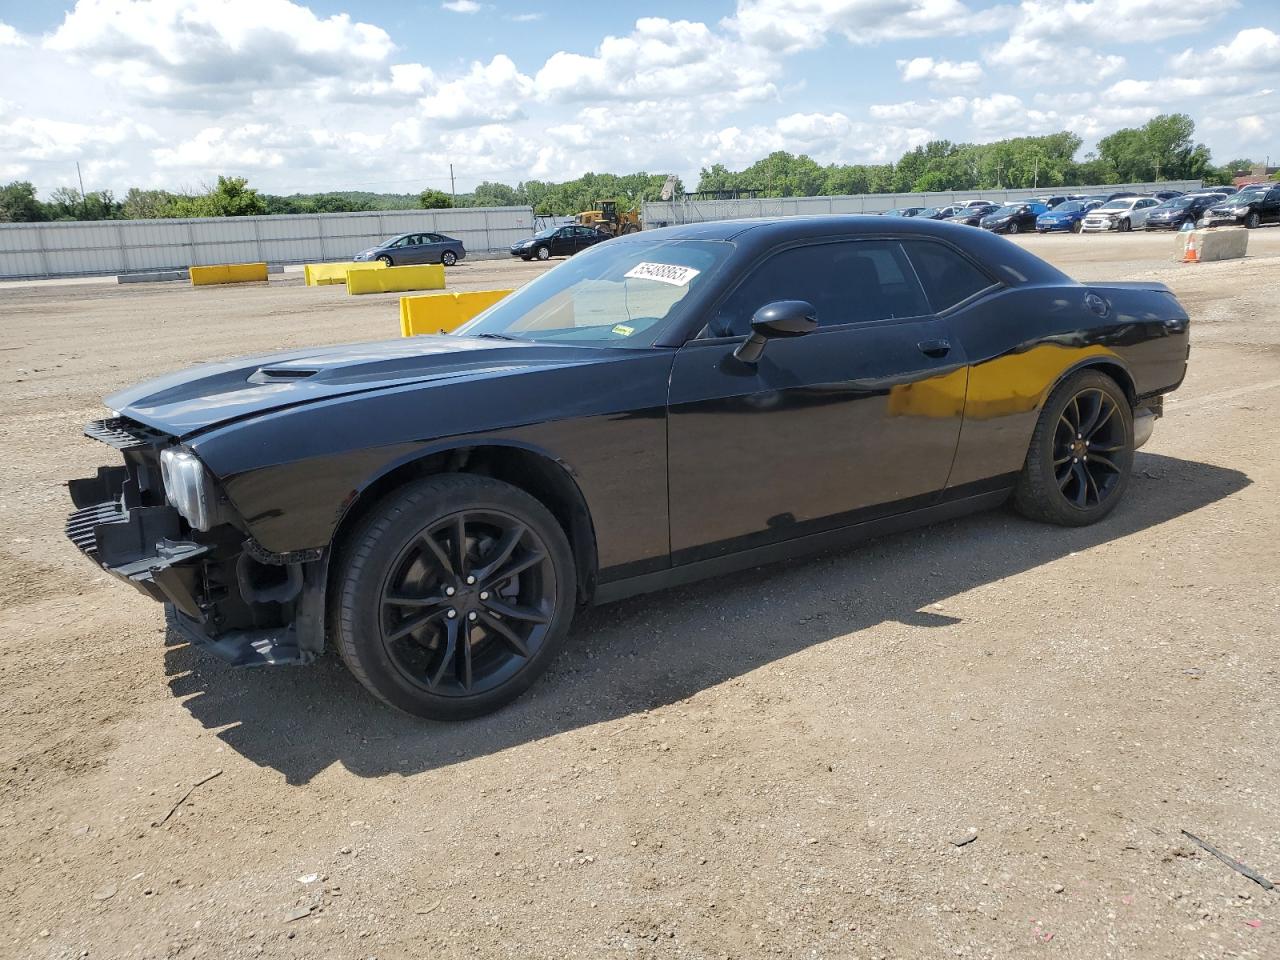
(1252, 221)
(386, 261)
(544, 253)
(453, 595)
(1125, 226)
(1081, 453)
(1013, 227)
(1077, 226)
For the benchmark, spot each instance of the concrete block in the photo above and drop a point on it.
(228, 273)
(1219, 243)
(396, 279)
(154, 276)
(444, 312)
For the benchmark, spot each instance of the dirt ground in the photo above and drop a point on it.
(775, 763)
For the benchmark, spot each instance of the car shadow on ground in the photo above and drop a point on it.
(657, 649)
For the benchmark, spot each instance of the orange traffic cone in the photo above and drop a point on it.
(1191, 254)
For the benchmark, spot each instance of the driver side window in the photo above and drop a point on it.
(845, 281)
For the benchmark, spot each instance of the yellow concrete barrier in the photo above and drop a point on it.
(443, 312)
(228, 273)
(429, 276)
(321, 274)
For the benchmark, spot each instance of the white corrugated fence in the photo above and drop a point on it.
(68, 249)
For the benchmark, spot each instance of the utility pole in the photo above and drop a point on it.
(1035, 176)
(84, 204)
(452, 188)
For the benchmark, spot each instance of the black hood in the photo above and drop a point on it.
(204, 396)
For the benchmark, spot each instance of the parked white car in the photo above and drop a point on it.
(1123, 214)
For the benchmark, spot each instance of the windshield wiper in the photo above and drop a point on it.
(496, 336)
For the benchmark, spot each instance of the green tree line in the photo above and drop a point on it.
(1164, 148)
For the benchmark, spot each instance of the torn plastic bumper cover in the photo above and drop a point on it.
(221, 589)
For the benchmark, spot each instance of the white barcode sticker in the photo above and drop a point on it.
(670, 273)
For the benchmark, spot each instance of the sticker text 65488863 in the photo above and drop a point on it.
(671, 273)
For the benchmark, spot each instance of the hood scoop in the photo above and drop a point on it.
(281, 374)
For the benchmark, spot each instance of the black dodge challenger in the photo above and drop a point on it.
(666, 406)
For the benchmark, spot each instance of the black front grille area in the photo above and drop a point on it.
(122, 433)
(82, 525)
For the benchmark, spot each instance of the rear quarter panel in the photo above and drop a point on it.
(1024, 341)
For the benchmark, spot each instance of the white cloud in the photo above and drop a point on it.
(1114, 21)
(788, 26)
(943, 73)
(9, 37)
(461, 6)
(1050, 62)
(1256, 50)
(920, 111)
(203, 53)
(299, 100)
(1238, 67)
(660, 58)
(487, 93)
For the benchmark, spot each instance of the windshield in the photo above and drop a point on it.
(1115, 205)
(1071, 206)
(1178, 203)
(1240, 199)
(930, 211)
(611, 295)
(543, 234)
(1007, 211)
(390, 240)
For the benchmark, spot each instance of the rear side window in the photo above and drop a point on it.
(846, 282)
(948, 278)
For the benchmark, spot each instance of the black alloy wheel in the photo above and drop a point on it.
(1081, 453)
(1087, 435)
(467, 602)
(448, 258)
(1013, 227)
(455, 594)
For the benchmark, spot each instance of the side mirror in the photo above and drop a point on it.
(782, 318)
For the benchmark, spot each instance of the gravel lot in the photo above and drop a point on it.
(771, 764)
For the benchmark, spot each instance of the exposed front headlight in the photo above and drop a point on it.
(188, 487)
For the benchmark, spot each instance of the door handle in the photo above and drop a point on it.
(934, 348)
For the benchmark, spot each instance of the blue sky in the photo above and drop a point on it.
(325, 95)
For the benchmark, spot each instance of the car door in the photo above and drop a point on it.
(429, 247)
(1142, 209)
(1270, 206)
(857, 419)
(562, 242)
(411, 251)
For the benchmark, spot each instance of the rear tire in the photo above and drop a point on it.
(452, 596)
(448, 258)
(1081, 453)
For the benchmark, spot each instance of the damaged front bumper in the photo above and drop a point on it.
(222, 590)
